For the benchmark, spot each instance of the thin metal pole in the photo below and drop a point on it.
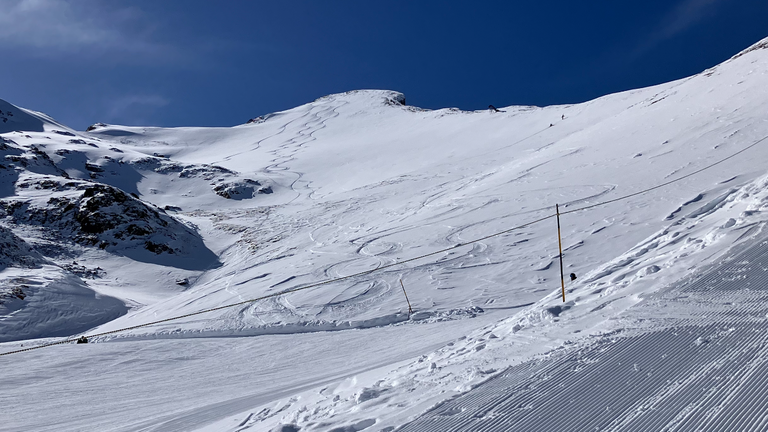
(560, 244)
(410, 311)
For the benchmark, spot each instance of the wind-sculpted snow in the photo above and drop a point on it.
(360, 181)
(52, 302)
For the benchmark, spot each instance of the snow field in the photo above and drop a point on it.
(695, 366)
(175, 387)
(358, 182)
(622, 315)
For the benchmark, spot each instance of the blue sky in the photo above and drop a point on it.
(205, 63)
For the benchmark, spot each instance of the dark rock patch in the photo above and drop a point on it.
(240, 190)
(65, 133)
(95, 126)
(15, 252)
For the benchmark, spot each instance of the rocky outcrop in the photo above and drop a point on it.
(15, 252)
(100, 215)
(241, 190)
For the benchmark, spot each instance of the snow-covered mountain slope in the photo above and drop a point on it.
(13, 118)
(152, 223)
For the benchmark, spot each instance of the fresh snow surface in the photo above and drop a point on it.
(664, 329)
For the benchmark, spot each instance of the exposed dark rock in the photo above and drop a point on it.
(15, 293)
(5, 141)
(15, 252)
(286, 428)
(94, 168)
(148, 163)
(157, 248)
(260, 119)
(41, 183)
(238, 190)
(171, 167)
(22, 161)
(83, 271)
(396, 99)
(104, 216)
(95, 126)
(48, 184)
(207, 172)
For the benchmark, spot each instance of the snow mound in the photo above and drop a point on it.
(52, 302)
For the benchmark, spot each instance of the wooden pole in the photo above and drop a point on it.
(560, 244)
(410, 311)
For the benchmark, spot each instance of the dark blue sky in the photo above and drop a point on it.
(206, 63)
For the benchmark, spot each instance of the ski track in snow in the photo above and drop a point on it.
(304, 135)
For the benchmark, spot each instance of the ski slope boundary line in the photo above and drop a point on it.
(397, 263)
(669, 182)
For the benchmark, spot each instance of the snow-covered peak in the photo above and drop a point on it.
(13, 118)
(763, 44)
(361, 100)
(378, 97)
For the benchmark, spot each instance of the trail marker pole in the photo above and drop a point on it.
(560, 245)
(410, 311)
